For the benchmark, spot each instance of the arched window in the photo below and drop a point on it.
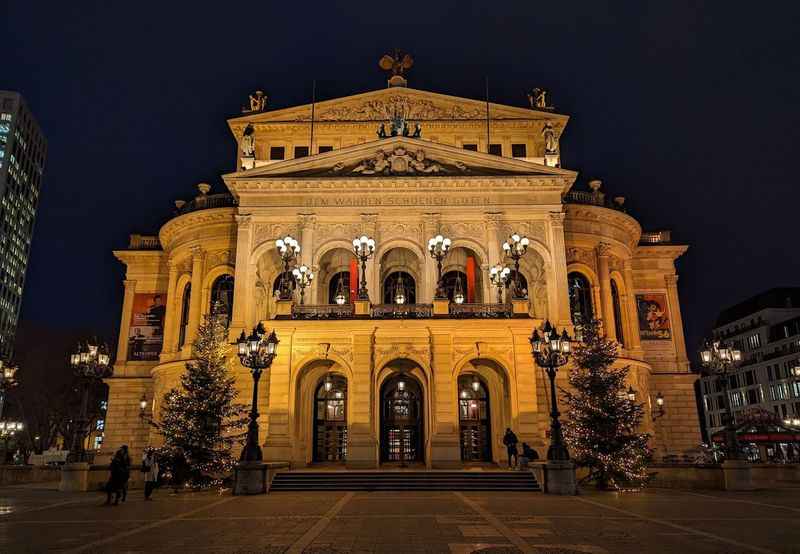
(523, 284)
(184, 324)
(340, 282)
(399, 281)
(580, 298)
(617, 312)
(222, 291)
(452, 281)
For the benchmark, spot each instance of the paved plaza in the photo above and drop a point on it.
(39, 518)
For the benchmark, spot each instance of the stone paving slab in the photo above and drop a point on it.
(40, 520)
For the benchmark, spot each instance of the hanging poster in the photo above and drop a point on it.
(653, 316)
(146, 335)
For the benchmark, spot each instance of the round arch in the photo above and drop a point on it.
(208, 282)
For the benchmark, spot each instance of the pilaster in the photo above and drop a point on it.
(555, 230)
(633, 316)
(172, 308)
(241, 278)
(125, 323)
(677, 322)
(195, 306)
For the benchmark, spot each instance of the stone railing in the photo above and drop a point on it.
(655, 237)
(402, 311)
(205, 202)
(594, 198)
(323, 311)
(144, 242)
(480, 310)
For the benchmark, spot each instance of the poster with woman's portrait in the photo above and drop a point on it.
(653, 316)
(146, 335)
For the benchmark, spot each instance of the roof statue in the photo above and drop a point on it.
(537, 98)
(397, 65)
(257, 102)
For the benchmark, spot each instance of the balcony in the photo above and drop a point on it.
(595, 197)
(400, 311)
(204, 201)
(655, 237)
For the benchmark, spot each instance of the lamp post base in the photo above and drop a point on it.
(557, 453)
(559, 478)
(250, 478)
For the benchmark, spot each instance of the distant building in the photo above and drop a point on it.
(766, 328)
(22, 153)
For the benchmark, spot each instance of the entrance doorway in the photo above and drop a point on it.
(330, 419)
(473, 418)
(401, 420)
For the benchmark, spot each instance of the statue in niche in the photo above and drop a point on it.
(538, 98)
(382, 131)
(550, 140)
(249, 141)
(417, 131)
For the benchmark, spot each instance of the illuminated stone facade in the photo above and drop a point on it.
(402, 190)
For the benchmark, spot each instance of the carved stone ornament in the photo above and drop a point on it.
(384, 109)
(400, 161)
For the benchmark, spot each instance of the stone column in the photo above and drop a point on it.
(241, 298)
(125, 323)
(308, 224)
(606, 302)
(492, 239)
(559, 313)
(431, 225)
(195, 306)
(677, 321)
(630, 305)
(369, 227)
(172, 308)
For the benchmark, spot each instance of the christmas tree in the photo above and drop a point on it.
(602, 430)
(200, 421)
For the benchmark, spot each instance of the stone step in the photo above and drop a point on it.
(405, 480)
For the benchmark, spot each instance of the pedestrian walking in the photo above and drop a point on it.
(126, 470)
(116, 479)
(150, 469)
(510, 440)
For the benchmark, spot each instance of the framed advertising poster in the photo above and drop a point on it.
(654, 323)
(146, 334)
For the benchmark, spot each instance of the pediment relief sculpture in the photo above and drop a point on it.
(400, 161)
(382, 109)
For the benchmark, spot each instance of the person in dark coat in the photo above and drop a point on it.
(117, 478)
(126, 472)
(510, 440)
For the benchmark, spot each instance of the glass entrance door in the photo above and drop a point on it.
(330, 420)
(401, 421)
(474, 422)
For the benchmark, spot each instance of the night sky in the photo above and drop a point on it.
(689, 111)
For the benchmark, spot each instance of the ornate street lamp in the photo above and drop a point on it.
(399, 290)
(498, 277)
(303, 276)
(288, 248)
(7, 381)
(91, 363)
(515, 247)
(256, 352)
(438, 247)
(551, 351)
(458, 291)
(659, 409)
(721, 361)
(142, 405)
(340, 298)
(364, 248)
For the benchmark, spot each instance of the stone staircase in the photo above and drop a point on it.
(405, 481)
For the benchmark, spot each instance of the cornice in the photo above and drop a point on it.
(132, 256)
(201, 217)
(668, 251)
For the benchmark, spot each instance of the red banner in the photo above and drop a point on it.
(353, 280)
(470, 279)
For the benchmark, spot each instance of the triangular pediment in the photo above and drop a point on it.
(412, 104)
(400, 157)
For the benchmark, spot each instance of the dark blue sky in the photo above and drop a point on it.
(687, 109)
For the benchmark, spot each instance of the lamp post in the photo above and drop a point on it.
(498, 277)
(7, 430)
(256, 352)
(551, 351)
(7, 381)
(303, 276)
(719, 360)
(91, 363)
(364, 248)
(438, 247)
(288, 248)
(515, 247)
